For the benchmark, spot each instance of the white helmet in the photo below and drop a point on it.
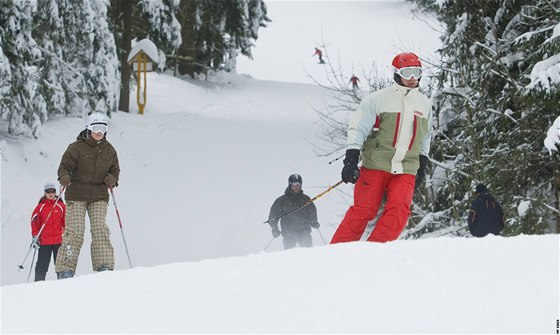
(96, 119)
(49, 185)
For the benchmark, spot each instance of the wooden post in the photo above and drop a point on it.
(141, 60)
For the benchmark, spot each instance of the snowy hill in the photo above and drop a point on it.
(490, 285)
(200, 171)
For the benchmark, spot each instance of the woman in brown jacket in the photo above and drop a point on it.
(88, 168)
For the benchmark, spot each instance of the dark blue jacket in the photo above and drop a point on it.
(486, 216)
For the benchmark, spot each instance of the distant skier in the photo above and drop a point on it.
(296, 226)
(88, 167)
(392, 129)
(320, 54)
(354, 80)
(51, 236)
(486, 215)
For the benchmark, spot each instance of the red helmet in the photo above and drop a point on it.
(406, 59)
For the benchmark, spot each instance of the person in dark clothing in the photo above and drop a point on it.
(486, 215)
(296, 227)
(50, 212)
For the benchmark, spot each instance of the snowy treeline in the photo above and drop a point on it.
(58, 58)
(214, 31)
(61, 57)
(497, 91)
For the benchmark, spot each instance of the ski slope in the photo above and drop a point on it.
(199, 172)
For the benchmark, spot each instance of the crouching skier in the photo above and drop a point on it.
(88, 167)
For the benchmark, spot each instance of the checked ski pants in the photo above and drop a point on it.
(369, 190)
(73, 238)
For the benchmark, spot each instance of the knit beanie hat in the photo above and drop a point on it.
(481, 188)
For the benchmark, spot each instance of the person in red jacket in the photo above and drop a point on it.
(354, 80)
(51, 237)
(320, 54)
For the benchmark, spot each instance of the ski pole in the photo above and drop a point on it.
(41, 230)
(306, 203)
(120, 224)
(337, 158)
(322, 238)
(31, 267)
(269, 243)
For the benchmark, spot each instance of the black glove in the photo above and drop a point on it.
(315, 225)
(35, 244)
(350, 171)
(421, 171)
(65, 180)
(275, 232)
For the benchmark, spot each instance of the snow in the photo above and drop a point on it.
(443, 285)
(553, 136)
(144, 45)
(546, 73)
(523, 207)
(356, 34)
(200, 170)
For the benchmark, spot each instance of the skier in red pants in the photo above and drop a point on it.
(392, 129)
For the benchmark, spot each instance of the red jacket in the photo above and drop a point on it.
(54, 228)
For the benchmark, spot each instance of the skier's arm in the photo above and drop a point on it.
(275, 211)
(425, 149)
(473, 212)
(35, 221)
(501, 215)
(361, 123)
(68, 163)
(311, 214)
(114, 170)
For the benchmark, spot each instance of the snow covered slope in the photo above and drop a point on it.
(200, 171)
(445, 285)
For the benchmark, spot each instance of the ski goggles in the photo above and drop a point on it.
(98, 128)
(50, 190)
(409, 72)
(295, 183)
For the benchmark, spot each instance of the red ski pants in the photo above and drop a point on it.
(368, 193)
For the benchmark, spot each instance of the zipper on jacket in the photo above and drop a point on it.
(397, 127)
(94, 169)
(414, 126)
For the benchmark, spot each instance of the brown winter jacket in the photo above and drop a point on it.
(88, 162)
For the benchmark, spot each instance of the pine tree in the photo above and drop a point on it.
(491, 111)
(102, 75)
(90, 54)
(23, 111)
(5, 83)
(163, 27)
(139, 19)
(47, 31)
(215, 31)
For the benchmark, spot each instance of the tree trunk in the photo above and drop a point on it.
(124, 100)
(186, 16)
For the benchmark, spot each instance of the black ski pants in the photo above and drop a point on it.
(303, 239)
(44, 259)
